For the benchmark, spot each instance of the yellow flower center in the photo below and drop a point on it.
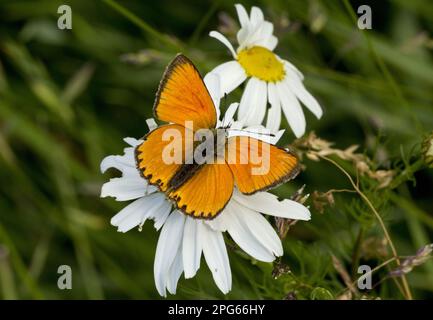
(261, 63)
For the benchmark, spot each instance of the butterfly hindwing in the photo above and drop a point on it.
(257, 165)
(206, 193)
(183, 96)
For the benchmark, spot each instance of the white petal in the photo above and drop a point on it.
(243, 15)
(262, 34)
(249, 36)
(151, 189)
(298, 88)
(236, 125)
(266, 30)
(292, 109)
(212, 82)
(262, 230)
(130, 216)
(274, 117)
(252, 107)
(268, 203)
(278, 136)
(270, 43)
(243, 235)
(175, 272)
(256, 16)
(274, 114)
(224, 40)
(261, 133)
(246, 100)
(231, 75)
(138, 211)
(215, 253)
(124, 163)
(219, 223)
(151, 124)
(254, 31)
(167, 249)
(112, 162)
(273, 94)
(244, 20)
(132, 141)
(257, 132)
(124, 188)
(243, 36)
(259, 111)
(291, 67)
(191, 249)
(161, 215)
(229, 114)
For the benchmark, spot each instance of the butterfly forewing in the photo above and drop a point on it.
(182, 96)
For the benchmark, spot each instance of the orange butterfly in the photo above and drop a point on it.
(202, 190)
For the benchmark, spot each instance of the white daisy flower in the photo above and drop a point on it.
(270, 77)
(183, 239)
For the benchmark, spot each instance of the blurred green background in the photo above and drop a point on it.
(68, 97)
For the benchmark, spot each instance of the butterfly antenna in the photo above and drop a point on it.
(264, 134)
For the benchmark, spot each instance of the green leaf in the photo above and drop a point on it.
(321, 294)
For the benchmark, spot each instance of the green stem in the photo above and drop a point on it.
(407, 291)
(143, 25)
(357, 251)
(203, 22)
(408, 172)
